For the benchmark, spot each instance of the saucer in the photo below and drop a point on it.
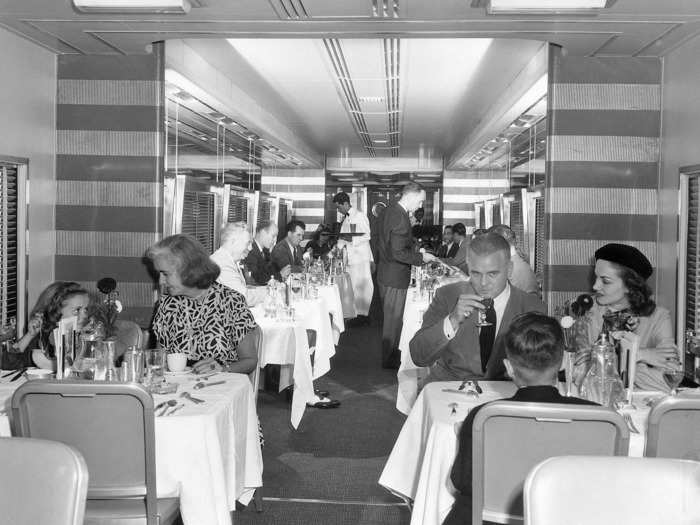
(187, 370)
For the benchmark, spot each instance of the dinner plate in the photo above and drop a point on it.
(187, 370)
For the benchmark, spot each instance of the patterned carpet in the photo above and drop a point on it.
(326, 472)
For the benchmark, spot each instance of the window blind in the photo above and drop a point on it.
(237, 208)
(517, 225)
(8, 239)
(692, 256)
(198, 217)
(264, 210)
(539, 236)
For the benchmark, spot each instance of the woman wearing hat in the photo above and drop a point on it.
(621, 272)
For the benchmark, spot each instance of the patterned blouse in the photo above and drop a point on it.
(212, 326)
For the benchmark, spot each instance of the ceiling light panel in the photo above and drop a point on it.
(544, 6)
(132, 6)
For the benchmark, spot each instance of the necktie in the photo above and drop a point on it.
(486, 336)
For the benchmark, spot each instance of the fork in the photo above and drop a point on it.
(189, 397)
(630, 423)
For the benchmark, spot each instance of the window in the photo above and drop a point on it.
(237, 208)
(198, 217)
(12, 260)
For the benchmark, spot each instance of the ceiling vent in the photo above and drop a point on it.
(133, 6)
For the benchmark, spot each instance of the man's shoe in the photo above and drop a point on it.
(321, 393)
(323, 402)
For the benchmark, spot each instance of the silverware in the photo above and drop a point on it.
(165, 405)
(453, 406)
(478, 389)
(178, 407)
(465, 392)
(461, 387)
(19, 374)
(199, 386)
(189, 397)
(630, 423)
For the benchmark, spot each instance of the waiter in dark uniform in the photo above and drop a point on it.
(395, 258)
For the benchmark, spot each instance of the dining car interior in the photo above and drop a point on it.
(397, 262)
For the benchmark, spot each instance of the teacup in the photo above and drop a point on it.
(177, 361)
(38, 373)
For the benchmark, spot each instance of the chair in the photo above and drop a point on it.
(254, 377)
(584, 490)
(128, 334)
(112, 425)
(510, 437)
(673, 429)
(42, 482)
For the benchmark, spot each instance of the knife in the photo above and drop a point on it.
(477, 387)
(19, 374)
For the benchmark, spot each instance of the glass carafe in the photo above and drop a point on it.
(602, 383)
(86, 362)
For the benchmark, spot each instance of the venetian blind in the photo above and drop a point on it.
(237, 209)
(282, 215)
(516, 224)
(264, 210)
(539, 236)
(692, 257)
(8, 240)
(198, 217)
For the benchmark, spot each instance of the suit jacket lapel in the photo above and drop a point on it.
(509, 312)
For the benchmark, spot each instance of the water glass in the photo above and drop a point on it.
(673, 375)
(132, 366)
(155, 365)
(481, 312)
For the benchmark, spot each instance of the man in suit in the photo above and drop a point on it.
(395, 258)
(534, 351)
(258, 261)
(449, 247)
(449, 341)
(522, 277)
(459, 255)
(287, 252)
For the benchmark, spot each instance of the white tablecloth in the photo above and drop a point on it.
(286, 344)
(421, 461)
(409, 374)
(330, 295)
(347, 294)
(208, 454)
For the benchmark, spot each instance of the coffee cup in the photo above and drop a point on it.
(177, 361)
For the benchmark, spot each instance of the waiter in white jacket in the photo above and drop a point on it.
(359, 252)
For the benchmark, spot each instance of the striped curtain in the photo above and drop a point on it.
(108, 170)
(602, 164)
(461, 189)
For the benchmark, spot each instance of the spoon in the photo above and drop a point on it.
(167, 404)
(189, 397)
(202, 385)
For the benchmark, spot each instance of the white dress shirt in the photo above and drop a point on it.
(499, 305)
(231, 275)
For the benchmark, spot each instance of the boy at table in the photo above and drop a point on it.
(534, 351)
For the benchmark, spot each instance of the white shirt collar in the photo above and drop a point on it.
(499, 305)
(258, 245)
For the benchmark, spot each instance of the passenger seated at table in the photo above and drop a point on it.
(258, 261)
(522, 277)
(459, 237)
(534, 347)
(197, 315)
(58, 300)
(320, 244)
(287, 252)
(449, 341)
(621, 272)
(235, 245)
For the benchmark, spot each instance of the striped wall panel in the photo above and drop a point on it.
(461, 189)
(109, 173)
(305, 186)
(602, 164)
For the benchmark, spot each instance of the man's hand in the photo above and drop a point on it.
(466, 304)
(285, 272)
(428, 257)
(207, 365)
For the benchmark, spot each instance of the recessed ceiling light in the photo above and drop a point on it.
(542, 6)
(380, 141)
(371, 99)
(132, 6)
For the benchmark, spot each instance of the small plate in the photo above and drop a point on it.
(187, 370)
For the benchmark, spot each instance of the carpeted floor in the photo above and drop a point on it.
(326, 472)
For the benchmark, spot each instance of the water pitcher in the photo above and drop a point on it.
(602, 383)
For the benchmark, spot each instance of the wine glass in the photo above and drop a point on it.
(481, 318)
(296, 286)
(673, 375)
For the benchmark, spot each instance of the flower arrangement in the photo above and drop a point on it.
(107, 310)
(571, 312)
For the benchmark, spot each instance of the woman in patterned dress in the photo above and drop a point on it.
(197, 315)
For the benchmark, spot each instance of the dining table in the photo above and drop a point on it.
(343, 282)
(409, 375)
(207, 454)
(418, 468)
(285, 342)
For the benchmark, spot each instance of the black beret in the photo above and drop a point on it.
(627, 256)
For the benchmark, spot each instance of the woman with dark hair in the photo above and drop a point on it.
(320, 243)
(58, 300)
(197, 315)
(622, 293)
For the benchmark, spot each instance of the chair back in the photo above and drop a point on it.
(42, 482)
(254, 376)
(673, 429)
(128, 334)
(111, 424)
(510, 437)
(613, 490)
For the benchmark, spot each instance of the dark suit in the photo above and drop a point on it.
(459, 259)
(281, 256)
(459, 358)
(259, 264)
(461, 513)
(444, 253)
(396, 256)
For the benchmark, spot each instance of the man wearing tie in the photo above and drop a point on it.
(450, 342)
(396, 256)
(287, 252)
(359, 253)
(449, 247)
(258, 261)
(235, 245)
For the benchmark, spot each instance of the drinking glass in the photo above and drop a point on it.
(155, 364)
(296, 285)
(481, 318)
(673, 375)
